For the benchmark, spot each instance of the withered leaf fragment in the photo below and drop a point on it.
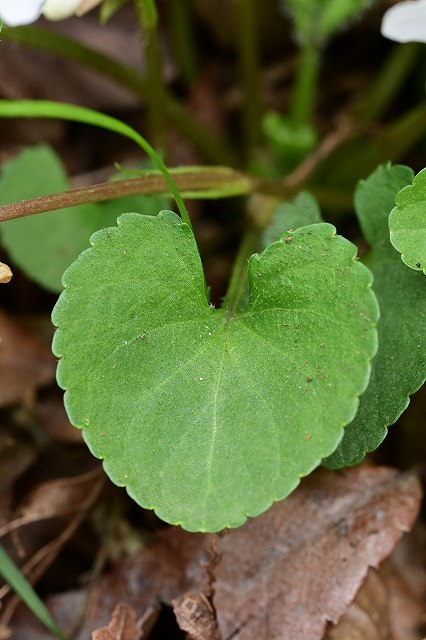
(25, 362)
(5, 273)
(123, 625)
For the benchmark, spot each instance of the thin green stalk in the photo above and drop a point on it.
(47, 109)
(305, 89)
(237, 283)
(248, 53)
(213, 148)
(182, 39)
(156, 90)
(17, 581)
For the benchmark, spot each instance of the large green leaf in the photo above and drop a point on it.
(407, 223)
(399, 367)
(44, 245)
(205, 415)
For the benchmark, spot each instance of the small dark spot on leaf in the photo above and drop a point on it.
(308, 379)
(418, 265)
(289, 239)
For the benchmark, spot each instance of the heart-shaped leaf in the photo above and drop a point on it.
(399, 367)
(407, 223)
(43, 246)
(207, 415)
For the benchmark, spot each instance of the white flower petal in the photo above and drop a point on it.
(59, 9)
(18, 12)
(405, 22)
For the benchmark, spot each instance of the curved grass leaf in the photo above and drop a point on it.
(207, 416)
(407, 223)
(43, 246)
(399, 367)
(18, 582)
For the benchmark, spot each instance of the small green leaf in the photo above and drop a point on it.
(407, 223)
(302, 211)
(399, 367)
(289, 142)
(204, 415)
(43, 246)
(317, 20)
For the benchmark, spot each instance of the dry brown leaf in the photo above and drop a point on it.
(405, 577)
(288, 573)
(282, 575)
(5, 273)
(56, 498)
(25, 363)
(51, 415)
(17, 452)
(390, 603)
(53, 512)
(123, 625)
(367, 618)
(5, 633)
(196, 616)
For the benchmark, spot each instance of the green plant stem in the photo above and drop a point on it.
(182, 39)
(237, 283)
(207, 183)
(213, 148)
(154, 78)
(305, 89)
(17, 581)
(387, 83)
(245, 20)
(47, 109)
(213, 182)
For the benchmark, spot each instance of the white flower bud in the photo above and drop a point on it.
(20, 12)
(405, 22)
(60, 9)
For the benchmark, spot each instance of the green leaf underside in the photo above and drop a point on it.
(399, 367)
(43, 246)
(407, 223)
(205, 417)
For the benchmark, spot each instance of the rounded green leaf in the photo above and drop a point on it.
(399, 368)
(407, 223)
(205, 415)
(43, 246)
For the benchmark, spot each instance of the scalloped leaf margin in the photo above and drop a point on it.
(407, 223)
(207, 416)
